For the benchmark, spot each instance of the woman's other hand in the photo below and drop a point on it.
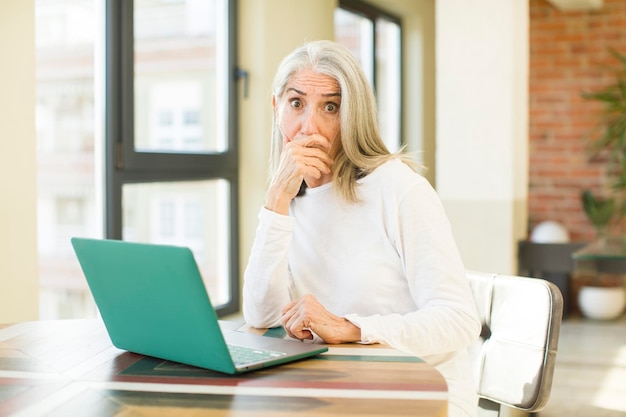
(307, 315)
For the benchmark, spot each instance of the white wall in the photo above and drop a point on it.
(482, 134)
(18, 249)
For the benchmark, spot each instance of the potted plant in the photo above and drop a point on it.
(607, 143)
(600, 211)
(601, 302)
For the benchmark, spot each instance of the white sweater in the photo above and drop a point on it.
(389, 264)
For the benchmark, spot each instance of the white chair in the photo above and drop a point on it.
(515, 356)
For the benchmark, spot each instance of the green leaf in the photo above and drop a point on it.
(599, 210)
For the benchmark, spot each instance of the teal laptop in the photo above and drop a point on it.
(153, 301)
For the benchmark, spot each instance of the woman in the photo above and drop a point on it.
(353, 244)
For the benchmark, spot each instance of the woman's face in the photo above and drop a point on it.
(308, 106)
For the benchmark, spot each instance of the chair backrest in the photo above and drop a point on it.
(515, 356)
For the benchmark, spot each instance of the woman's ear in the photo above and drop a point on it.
(275, 107)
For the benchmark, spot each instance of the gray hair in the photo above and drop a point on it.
(360, 148)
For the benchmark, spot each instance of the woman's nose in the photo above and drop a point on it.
(310, 122)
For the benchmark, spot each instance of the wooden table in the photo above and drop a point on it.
(69, 368)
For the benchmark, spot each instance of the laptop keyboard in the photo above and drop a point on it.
(242, 355)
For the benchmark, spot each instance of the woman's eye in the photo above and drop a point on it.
(331, 107)
(295, 103)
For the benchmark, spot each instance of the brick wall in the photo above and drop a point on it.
(567, 53)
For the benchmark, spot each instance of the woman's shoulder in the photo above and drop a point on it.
(397, 170)
(393, 180)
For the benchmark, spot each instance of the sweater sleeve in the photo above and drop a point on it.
(267, 285)
(445, 319)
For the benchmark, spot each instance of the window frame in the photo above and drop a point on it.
(124, 165)
(372, 13)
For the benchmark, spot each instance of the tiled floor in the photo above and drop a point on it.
(590, 375)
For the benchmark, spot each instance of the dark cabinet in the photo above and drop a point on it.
(550, 261)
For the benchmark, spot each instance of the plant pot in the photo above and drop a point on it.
(601, 303)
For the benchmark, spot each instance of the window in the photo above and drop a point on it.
(136, 139)
(374, 36)
(69, 143)
(69, 211)
(172, 174)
